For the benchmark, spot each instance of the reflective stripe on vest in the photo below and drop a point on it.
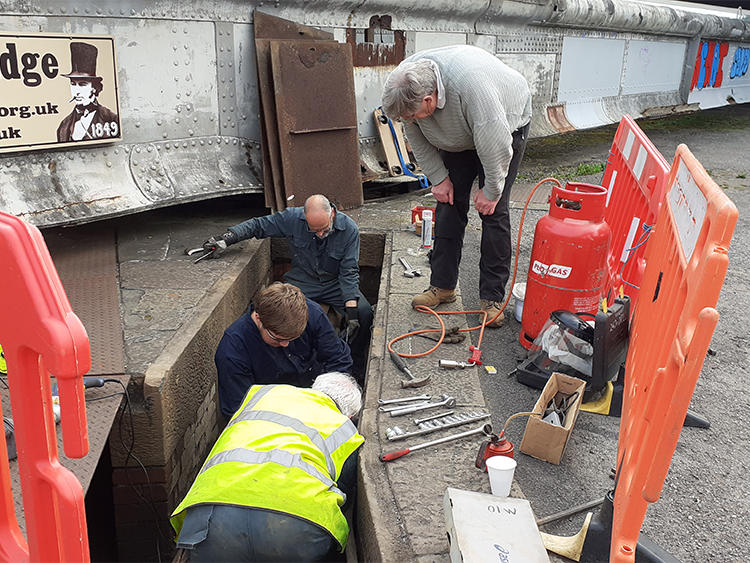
(284, 456)
(279, 457)
(327, 445)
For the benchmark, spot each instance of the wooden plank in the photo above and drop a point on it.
(389, 146)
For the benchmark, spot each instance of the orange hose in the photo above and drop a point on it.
(485, 322)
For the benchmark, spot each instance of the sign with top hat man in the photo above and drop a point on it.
(89, 120)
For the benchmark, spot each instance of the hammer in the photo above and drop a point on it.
(411, 381)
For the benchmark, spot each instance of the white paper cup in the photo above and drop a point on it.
(501, 469)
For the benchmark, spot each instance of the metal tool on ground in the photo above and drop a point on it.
(193, 251)
(397, 433)
(404, 400)
(446, 402)
(411, 381)
(409, 271)
(419, 421)
(391, 408)
(453, 364)
(390, 456)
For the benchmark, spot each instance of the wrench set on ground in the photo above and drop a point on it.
(449, 419)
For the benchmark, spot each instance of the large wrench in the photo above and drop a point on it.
(404, 400)
(485, 429)
(446, 402)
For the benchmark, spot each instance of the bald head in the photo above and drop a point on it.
(318, 214)
(317, 203)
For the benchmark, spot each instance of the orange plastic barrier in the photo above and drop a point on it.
(41, 336)
(635, 178)
(686, 262)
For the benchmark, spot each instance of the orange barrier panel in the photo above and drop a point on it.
(686, 262)
(635, 178)
(41, 335)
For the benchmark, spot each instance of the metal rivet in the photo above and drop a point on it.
(201, 142)
(195, 118)
(158, 122)
(150, 148)
(135, 163)
(138, 150)
(176, 119)
(164, 136)
(137, 123)
(210, 142)
(109, 164)
(190, 132)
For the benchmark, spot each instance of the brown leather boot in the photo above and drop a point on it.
(433, 297)
(492, 308)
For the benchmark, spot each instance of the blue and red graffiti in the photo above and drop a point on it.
(709, 62)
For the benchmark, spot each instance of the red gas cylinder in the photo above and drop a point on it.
(568, 266)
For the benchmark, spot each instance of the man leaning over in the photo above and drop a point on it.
(277, 481)
(466, 114)
(324, 244)
(283, 338)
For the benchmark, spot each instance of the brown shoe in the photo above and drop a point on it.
(492, 308)
(433, 297)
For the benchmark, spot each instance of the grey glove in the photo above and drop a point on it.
(217, 245)
(452, 336)
(352, 324)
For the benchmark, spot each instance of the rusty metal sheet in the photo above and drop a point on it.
(317, 120)
(266, 28)
(558, 119)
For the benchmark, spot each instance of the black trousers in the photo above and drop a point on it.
(451, 220)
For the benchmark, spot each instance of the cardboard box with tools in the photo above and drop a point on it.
(547, 433)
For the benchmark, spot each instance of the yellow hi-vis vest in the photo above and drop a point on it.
(283, 450)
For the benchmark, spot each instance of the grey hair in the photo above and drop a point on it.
(343, 389)
(317, 202)
(406, 86)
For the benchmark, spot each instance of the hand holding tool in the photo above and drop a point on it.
(410, 272)
(390, 456)
(411, 381)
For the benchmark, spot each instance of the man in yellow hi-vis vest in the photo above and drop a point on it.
(275, 484)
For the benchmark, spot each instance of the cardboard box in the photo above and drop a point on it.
(488, 528)
(542, 439)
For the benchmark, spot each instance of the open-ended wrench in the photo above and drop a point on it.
(404, 400)
(446, 402)
(391, 408)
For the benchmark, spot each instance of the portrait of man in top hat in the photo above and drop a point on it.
(89, 120)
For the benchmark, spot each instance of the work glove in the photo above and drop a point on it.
(352, 324)
(452, 336)
(216, 245)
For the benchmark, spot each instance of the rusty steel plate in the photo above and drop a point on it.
(266, 28)
(317, 121)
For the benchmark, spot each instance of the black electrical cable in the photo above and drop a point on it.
(129, 449)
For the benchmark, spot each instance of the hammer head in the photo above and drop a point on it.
(408, 383)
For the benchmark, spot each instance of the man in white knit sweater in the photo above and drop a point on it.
(466, 114)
